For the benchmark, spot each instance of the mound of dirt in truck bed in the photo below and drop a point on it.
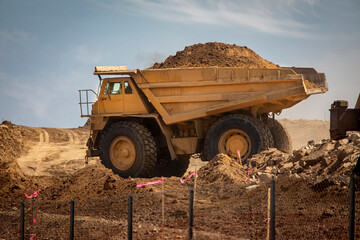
(215, 54)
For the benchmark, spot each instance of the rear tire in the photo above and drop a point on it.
(282, 140)
(129, 150)
(237, 132)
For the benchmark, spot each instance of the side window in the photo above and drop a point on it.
(113, 88)
(128, 89)
(106, 89)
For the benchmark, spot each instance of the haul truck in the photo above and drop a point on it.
(151, 119)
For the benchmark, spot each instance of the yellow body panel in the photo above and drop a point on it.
(185, 94)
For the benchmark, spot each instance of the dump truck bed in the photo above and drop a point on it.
(182, 94)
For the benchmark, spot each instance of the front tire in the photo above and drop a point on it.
(129, 150)
(237, 132)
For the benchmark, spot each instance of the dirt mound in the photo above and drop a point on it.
(13, 141)
(222, 170)
(92, 181)
(326, 163)
(215, 54)
(12, 180)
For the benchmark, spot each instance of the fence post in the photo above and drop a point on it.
(72, 218)
(352, 208)
(191, 214)
(22, 221)
(272, 209)
(130, 220)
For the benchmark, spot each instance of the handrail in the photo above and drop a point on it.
(87, 103)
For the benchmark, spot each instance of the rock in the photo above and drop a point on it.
(250, 187)
(288, 165)
(297, 168)
(302, 163)
(298, 154)
(295, 175)
(354, 138)
(308, 151)
(337, 145)
(346, 165)
(328, 147)
(326, 161)
(268, 170)
(328, 213)
(314, 157)
(108, 184)
(265, 177)
(311, 143)
(284, 170)
(274, 170)
(344, 152)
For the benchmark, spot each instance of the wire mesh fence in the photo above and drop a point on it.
(227, 211)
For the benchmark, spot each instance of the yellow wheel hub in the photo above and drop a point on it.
(122, 153)
(234, 140)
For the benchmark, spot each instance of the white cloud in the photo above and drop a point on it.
(272, 17)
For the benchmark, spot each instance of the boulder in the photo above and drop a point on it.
(298, 154)
(315, 157)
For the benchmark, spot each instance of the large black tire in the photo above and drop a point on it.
(282, 140)
(129, 150)
(235, 131)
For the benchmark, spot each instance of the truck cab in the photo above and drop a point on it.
(118, 96)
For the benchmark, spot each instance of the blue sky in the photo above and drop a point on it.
(48, 49)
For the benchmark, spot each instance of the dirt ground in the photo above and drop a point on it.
(227, 204)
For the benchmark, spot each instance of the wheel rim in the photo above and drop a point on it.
(233, 140)
(122, 153)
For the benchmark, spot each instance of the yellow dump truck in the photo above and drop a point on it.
(151, 119)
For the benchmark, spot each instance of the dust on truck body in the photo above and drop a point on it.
(146, 120)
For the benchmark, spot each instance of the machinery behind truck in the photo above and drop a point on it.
(151, 119)
(343, 119)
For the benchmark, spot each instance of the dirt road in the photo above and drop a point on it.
(58, 152)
